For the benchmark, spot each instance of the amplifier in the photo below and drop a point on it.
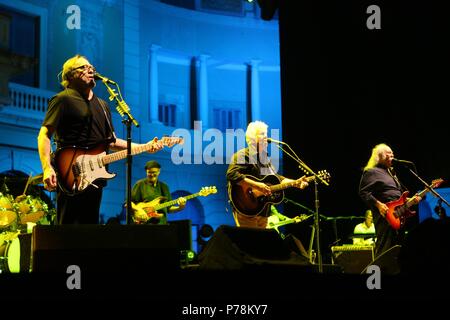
(352, 258)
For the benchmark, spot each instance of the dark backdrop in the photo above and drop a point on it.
(346, 88)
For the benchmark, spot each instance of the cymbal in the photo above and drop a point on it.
(7, 218)
(32, 217)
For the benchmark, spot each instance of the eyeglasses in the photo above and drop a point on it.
(85, 67)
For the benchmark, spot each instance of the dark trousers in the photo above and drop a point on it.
(387, 237)
(83, 208)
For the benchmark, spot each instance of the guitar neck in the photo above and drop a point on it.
(411, 201)
(282, 186)
(289, 221)
(119, 155)
(172, 202)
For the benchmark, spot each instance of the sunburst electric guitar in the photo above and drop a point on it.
(77, 168)
(143, 211)
(249, 201)
(399, 209)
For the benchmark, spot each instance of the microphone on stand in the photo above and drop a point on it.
(270, 140)
(402, 161)
(98, 76)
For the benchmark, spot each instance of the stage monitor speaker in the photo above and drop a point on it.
(353, 259)
(387, 261)
(104, 248)
(237, 248)
(426, 248)
(184, 231)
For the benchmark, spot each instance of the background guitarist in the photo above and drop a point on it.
(150, 188)
(77, 117)
(254, 161)
(379, 185)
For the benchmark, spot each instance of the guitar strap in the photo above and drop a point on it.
(394, 176)
(104, 108)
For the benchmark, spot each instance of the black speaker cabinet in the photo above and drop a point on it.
(352, 259)
(184, 231)
(388, 261)
(237, 248)
(105, 248)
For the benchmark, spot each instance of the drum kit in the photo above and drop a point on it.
(19, 215)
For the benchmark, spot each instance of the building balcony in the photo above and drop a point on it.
(26, 106)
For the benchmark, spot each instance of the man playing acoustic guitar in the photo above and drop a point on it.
(253, 184)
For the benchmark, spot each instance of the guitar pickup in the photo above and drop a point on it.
(99, 162)
(91, 164)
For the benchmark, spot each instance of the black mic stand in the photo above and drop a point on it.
(427, 186)
(317, 178)
(123, 109)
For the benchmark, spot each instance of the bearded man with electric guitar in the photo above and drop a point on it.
(382, 192)
(82, 128)
(253, 184)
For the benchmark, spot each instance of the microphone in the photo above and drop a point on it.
(98, 76)
(270, 140)
(402, 161)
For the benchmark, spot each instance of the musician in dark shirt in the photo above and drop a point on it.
(150, 188)
(378, 186)
(254, 161)
(78, 119)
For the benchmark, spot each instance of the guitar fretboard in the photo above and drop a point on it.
(172, 202)
(119, 155)
(282, 186)
(351, 248)
(436, 183)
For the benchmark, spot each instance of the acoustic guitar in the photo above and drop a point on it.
(249, 201)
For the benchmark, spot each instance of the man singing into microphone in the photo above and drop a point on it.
(378, 186)
(247, 168)
(78, 119)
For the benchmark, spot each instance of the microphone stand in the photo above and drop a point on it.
(427, 186)
(317, 178)
(123, 109)
(298, 205)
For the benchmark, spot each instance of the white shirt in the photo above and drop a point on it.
(362, 228)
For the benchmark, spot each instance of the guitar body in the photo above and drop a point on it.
(251, 202)
(148, 209)
(77, 168)
(398, 211)
(144, 211)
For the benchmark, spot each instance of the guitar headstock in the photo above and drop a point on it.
(301, 217)
(170, 141)
(324, 175)
(206, 191)
(436, 182)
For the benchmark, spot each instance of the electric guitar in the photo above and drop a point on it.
(399, 209)
(143, 211)
(252, 202)
(77, 168)
(276, 225)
